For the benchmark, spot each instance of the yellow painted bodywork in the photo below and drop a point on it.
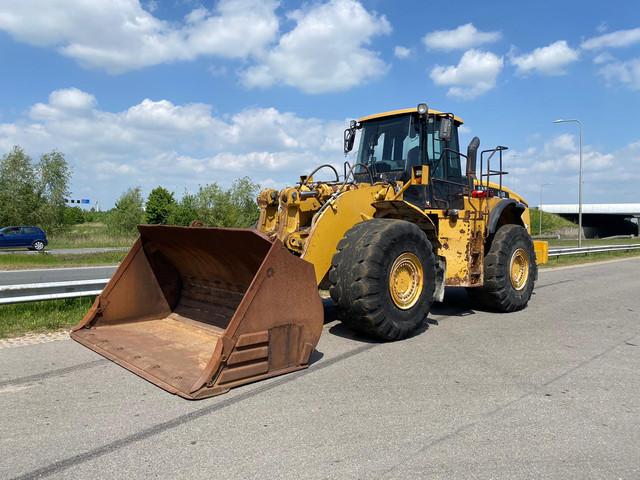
(351, 207)
(402, 111)
(461, 243)
(542, 251)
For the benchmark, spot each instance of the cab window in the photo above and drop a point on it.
(388, 144)
(445, 166)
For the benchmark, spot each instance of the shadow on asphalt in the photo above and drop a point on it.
(316, 356)
(456, 304)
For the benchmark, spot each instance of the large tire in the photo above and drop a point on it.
(360, 272)
(507, 288)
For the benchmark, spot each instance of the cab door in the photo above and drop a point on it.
(449, 182)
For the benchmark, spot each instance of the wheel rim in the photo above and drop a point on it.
(39, 245)
(406, 280)
(519, 268)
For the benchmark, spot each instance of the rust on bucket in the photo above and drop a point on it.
(198, 311)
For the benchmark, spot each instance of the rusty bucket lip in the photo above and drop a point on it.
(132, 368)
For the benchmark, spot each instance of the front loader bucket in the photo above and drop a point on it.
(198, 311)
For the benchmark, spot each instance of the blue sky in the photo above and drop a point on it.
(182, 93)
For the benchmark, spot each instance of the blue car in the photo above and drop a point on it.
(32, 238)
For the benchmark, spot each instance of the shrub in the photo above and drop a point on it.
(127, 213)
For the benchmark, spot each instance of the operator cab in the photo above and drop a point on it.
(392, 143)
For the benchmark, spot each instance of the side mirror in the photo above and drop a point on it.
(349, 138)
(446, 125)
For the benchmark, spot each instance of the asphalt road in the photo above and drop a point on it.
(549, 392)
(43, 275)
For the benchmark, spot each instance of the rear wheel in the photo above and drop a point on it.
(382, 278)
(509, 271)
(38, 245)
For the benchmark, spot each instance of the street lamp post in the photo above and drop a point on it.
(542, 185)
(573, 120)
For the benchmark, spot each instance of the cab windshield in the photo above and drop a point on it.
(387, 144)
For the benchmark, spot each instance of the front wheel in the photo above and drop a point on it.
(510, 271)
(382, 278)
(38, 245)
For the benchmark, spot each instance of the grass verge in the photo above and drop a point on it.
(550, 222)
(44, 260)
(42, 316)
(88, 235)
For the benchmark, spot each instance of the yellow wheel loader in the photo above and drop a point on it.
(198, 311)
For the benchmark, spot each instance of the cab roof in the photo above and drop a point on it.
(403, 111)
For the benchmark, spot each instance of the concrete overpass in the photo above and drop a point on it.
(601, 219)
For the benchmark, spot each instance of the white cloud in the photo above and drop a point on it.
(460, 38)
(617, 39)
(401, 52)
(609, 176)
(626, 73)
(120, 35)
(550, 60)
(612, 69)
(64, 100)
(179, 146)
(325, 51)
(475, 74)
(604, 57)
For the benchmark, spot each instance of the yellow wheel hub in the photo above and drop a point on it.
(406, 280)
(519, 268)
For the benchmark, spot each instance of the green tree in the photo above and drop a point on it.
(127, 213)
(18, 198)
(213, 206)
(235, 207)
(243, 195)
(184, 211)
(52, 187)
(159, 206)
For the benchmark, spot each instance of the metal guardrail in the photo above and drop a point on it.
(33, 292)
(558, 252)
